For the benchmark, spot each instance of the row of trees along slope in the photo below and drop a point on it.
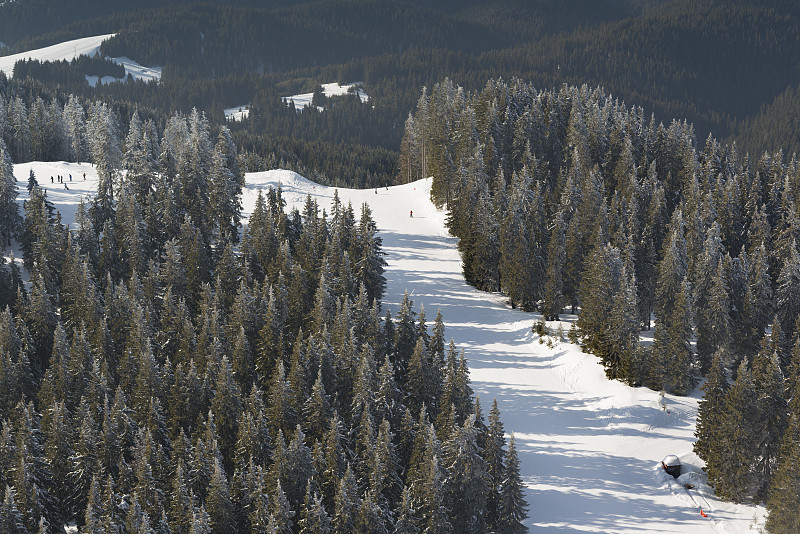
(165, 372)
(570, 198)
(35, 124)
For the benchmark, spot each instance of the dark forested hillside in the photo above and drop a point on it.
(713, 63)
(32, 23)
(775, 127)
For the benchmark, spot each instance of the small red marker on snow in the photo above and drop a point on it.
(703, 513)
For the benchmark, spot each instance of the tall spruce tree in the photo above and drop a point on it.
(710, 422)
(513, 507)
(783, 501)
(9, 211)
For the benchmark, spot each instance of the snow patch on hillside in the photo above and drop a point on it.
(237, 113)
(85, 46)
(68, 50)
(328, 89)
(132, 68)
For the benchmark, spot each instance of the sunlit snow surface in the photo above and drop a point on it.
(590, 448)
(328, 89)
(68, 50)
(85, 46)
(237, 113)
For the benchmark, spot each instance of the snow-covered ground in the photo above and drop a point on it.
(328, 89)
(68, 50)
(85, 46)
(237, 113)
(590, 448)
(139, 72)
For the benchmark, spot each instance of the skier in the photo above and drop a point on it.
(84, 176)
(411, 213)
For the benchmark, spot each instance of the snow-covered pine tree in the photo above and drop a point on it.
(711, 305)
(467, 483)
(732, 474)
(787, 299)
(494, 454)
(520, 262)
(554, 284)
(221, 513)
(770, 424)
(783, 501)
(75, 129)
(105, 145)
(513, 507)
(709, 415)
(19, 142)
(11, 520)
(313, 517)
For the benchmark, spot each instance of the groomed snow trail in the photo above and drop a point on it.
(589, 447)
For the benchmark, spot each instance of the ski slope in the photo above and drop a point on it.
(85, 46)
(589, 447)
(68, 50)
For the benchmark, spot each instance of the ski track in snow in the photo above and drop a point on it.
(590, 448)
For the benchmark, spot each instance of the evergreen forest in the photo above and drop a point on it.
(571, 199)
(164, 371)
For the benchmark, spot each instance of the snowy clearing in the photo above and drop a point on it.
(590, 448)
(85, 46)
(237, 113)
(328, 89)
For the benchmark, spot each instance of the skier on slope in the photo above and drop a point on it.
(411, 213)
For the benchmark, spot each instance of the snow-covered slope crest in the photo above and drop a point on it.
(68, 50)
(85, 46)
(590, 448)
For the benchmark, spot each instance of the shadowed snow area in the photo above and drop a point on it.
(590, 448)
